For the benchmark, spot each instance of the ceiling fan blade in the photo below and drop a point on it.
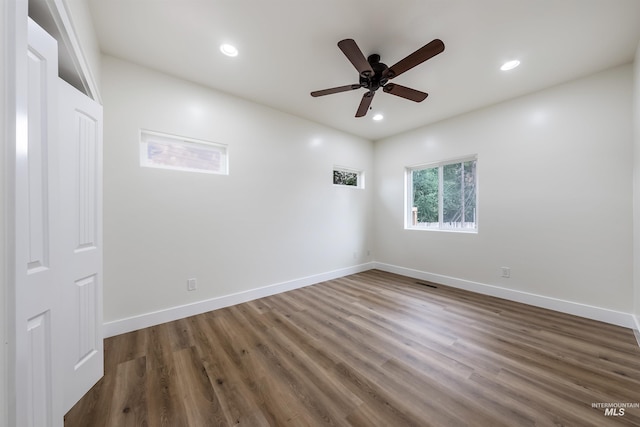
(405, 92)
(427, 51)
(334, 90)
(354, 54)
(364, 104)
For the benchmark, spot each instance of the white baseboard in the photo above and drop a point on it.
(133, 323)
(590, 312)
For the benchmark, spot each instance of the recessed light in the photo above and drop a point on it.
(510, 65)
(229, 50)
(378, 117)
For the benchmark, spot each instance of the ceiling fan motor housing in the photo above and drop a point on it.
(377, 80)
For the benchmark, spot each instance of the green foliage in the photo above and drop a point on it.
(345, 178)
(425, 194)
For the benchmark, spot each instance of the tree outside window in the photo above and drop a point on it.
(347, 177)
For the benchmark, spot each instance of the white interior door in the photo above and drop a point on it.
(80, 154)
(58, 240)
(37, 260)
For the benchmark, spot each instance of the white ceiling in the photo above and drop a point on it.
(288, 49)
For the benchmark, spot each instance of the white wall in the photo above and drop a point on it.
(277, 217)
(555, 179)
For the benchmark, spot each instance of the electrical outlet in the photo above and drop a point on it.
(192, 284)
(505, 272)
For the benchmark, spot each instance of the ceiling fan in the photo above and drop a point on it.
(375, 75)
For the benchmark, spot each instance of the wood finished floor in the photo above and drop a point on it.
(371, 349)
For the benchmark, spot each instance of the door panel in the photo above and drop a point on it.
(80, 155)
(39, 410)
(37, 159)
(37, 262)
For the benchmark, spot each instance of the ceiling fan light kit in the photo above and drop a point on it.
(375, 74)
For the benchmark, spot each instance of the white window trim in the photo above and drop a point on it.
(359, 173)
(409, 202)
(147, 135)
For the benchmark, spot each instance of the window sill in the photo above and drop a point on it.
(444, 230)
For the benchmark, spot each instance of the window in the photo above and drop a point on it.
(159, 150)
(348, 177)
(443, 196)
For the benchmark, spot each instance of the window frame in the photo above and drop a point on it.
(408, 194)
(147, 136)
(359, 176)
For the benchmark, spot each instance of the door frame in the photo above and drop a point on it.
(14, 95)
(13, 64)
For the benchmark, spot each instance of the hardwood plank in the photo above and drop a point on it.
(165, 408)
(226, 380)
(129, 406)
(371, 349)
(196, 391)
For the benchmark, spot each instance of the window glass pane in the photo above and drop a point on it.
(348, 177)
(184, 156)
(470, 193)
(345, 178)
(452, 189)
(178, 153)
(425, 197)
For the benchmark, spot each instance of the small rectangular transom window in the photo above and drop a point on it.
(348, 177)
(158, 150)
